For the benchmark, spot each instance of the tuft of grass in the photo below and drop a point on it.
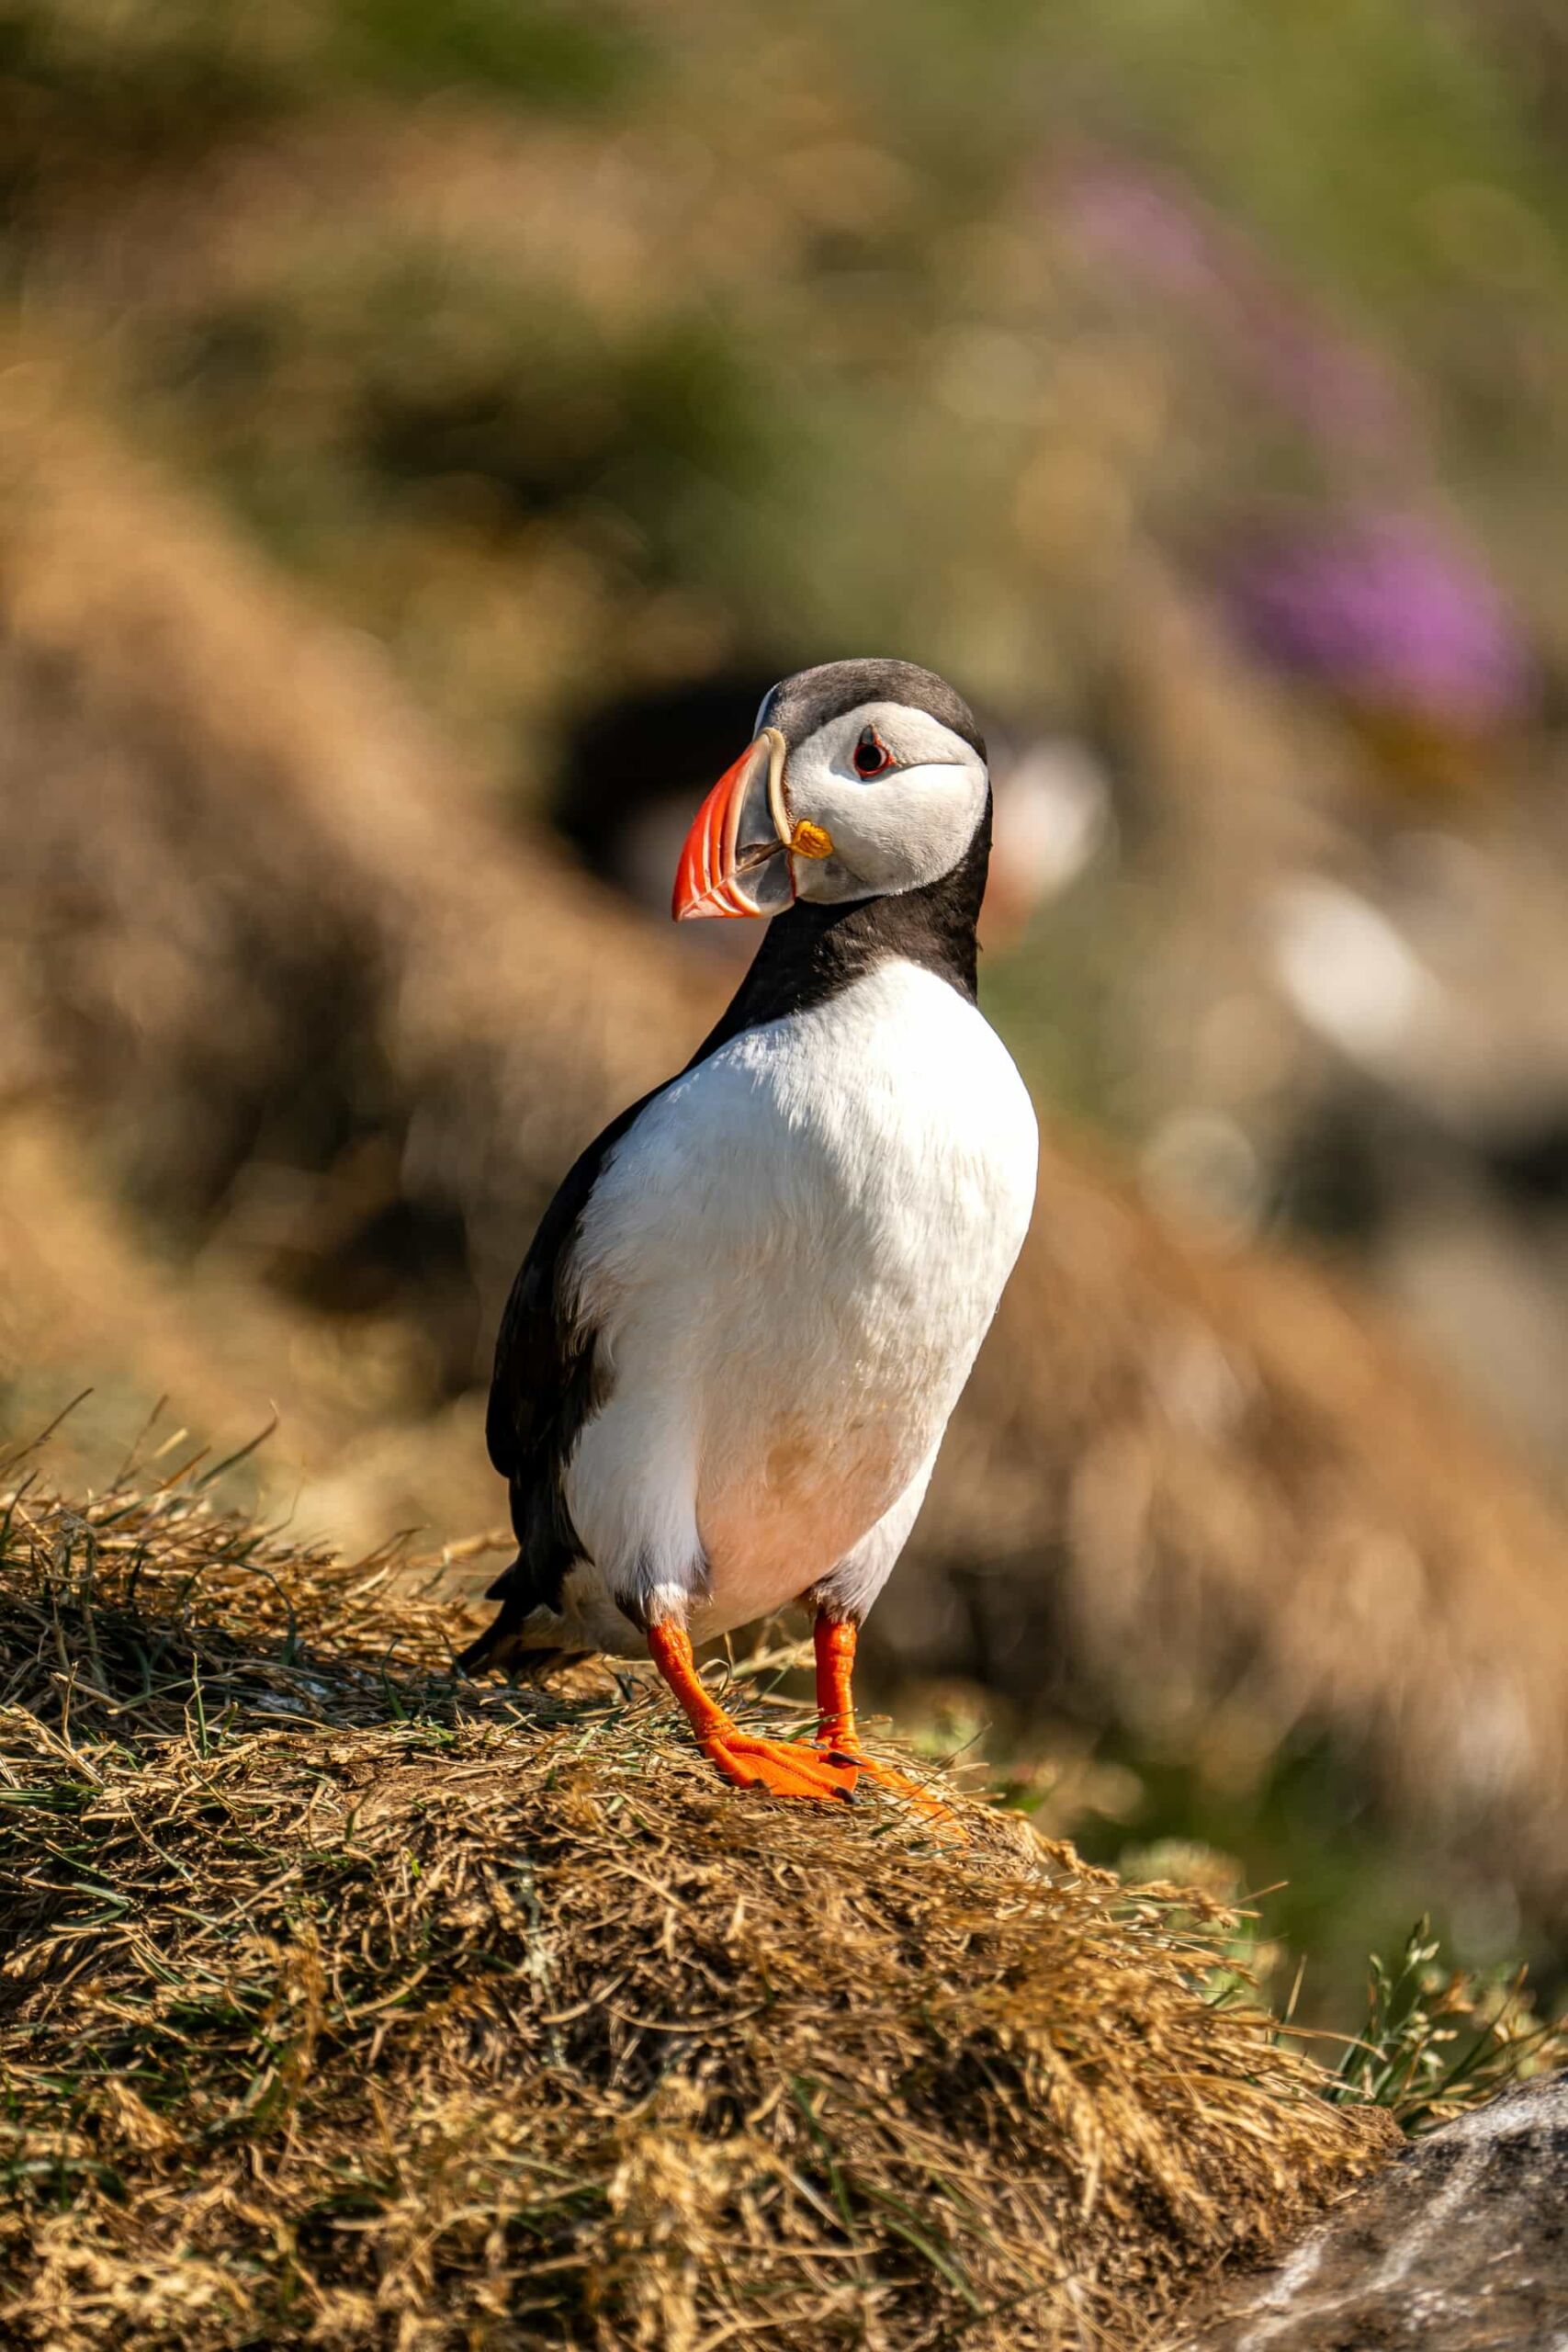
(343, 2003)
(1439, 2040)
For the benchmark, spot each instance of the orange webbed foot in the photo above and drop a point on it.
(785, 1768)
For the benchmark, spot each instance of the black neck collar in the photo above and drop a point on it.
(814, 952)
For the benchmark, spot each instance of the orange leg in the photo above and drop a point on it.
(834, 1641)
(833, 1638)
(785, 1767)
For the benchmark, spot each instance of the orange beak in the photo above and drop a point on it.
(733, 862)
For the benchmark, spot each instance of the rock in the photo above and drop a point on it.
(1461, 2245)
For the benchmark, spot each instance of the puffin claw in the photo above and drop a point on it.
(785, 1768)
(942, 1818)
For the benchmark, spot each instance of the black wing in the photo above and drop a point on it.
(549, 1380)
(549, 1377)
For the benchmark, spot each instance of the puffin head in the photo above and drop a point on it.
(863, 779)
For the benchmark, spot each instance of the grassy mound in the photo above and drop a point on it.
(343, 2005)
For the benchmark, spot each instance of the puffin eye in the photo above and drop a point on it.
(871, 755)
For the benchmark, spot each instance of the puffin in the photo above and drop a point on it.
(727, 1362)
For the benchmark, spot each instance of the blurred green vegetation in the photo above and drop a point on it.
(789, 327)
(156, 82)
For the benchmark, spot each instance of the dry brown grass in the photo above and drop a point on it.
(344, 2005)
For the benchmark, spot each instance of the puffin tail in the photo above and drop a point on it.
(504, 1647)
(481, 1655)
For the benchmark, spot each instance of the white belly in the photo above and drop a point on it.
(792, 1259)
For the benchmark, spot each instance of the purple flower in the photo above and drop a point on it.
(1388, 613)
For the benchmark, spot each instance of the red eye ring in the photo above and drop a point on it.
(870, 755)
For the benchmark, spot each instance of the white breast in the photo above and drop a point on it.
(792, 1259)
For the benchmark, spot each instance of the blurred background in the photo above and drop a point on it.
(425, 432)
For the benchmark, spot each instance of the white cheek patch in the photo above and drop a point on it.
(891, 832)
(899, 831)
